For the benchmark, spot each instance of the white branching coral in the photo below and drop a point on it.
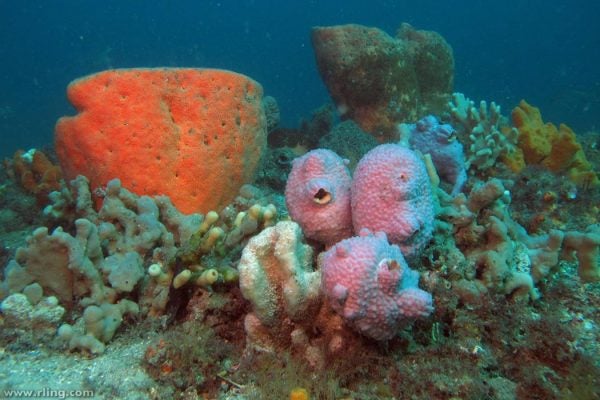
(483, 130)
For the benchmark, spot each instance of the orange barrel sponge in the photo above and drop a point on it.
(195, 135)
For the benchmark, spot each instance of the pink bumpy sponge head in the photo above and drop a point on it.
(317, 195)
(391, 192)
(367, 282)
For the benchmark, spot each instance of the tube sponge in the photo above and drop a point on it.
(317, 195)
(368, 283)
(391, 193)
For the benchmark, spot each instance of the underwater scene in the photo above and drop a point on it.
(300, 200)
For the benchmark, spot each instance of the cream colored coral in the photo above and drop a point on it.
(276, 274)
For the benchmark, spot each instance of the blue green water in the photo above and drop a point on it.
(544, 51)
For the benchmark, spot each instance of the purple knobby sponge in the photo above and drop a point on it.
(317, 195)
(391, 192)
(367, 282)
(439, 140)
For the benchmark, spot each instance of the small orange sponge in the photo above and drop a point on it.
(299, 394)
(195, 135)
(557, 149)
(37, 176)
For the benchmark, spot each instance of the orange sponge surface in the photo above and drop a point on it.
(557, 149)
(195, 135)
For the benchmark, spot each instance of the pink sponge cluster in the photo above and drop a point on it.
(390, 192)
(365, 278)
(368, 282)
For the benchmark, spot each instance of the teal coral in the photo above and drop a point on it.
(504, 257)
(483, 130)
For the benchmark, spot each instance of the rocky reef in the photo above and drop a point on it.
(459, 259)
(378, 80)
